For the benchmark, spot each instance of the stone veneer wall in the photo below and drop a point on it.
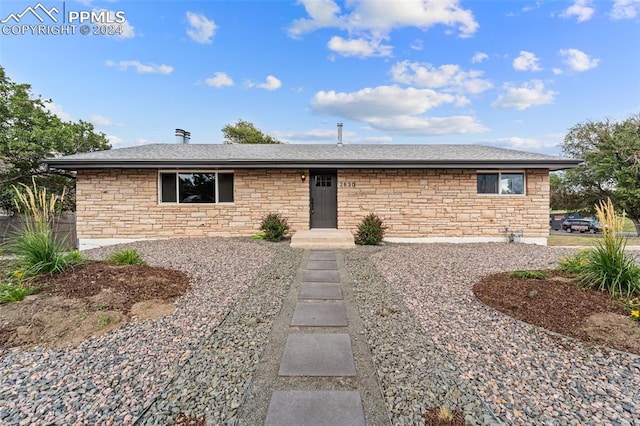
(441, 203)
(123, 203)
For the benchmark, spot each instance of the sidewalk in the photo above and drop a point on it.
(317, 368)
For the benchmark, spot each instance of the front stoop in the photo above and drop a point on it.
(323, 239)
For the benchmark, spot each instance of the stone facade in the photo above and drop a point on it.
(441, 203)
(123, 204)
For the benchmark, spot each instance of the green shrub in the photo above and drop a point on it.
(370, 231)
(35, 246)
(126, 257)
(38, 252)
(574, 264)
(14, 292)
(609, 268)
(274, 227)
(529, 275)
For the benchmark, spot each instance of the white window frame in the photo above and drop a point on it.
(178, 171)
(500, 173)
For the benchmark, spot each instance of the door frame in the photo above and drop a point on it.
(312, 178)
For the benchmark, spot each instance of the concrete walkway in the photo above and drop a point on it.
(317, 369)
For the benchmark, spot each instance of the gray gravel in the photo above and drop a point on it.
(112, 378)
(414, 373)
(432, 341)
(525, 374)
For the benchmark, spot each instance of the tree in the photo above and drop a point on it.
(246, 133)
(611, 167)
(29, 133)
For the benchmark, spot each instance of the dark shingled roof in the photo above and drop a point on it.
(310, 156)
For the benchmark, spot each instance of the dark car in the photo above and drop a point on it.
(581, 225)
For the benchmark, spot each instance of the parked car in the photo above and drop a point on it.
(581, 225)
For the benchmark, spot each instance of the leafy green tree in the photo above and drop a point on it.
(246, 133)
(611, 167)
(29, 133)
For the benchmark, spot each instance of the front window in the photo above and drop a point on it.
(196, 187)
(502, 183)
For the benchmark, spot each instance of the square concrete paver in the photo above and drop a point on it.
(320, 292)
(315, 354)
(322, 255)
(314, 408)
(322, 264)
(321, 275)
(318, 314)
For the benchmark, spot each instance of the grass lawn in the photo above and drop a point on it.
(583, 240)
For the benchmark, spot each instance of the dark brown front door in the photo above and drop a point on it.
(324, 198)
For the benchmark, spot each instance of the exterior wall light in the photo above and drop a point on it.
(303, 177)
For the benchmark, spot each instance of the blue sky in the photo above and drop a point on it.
(514, 74)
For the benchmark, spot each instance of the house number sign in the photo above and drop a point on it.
(347, 184)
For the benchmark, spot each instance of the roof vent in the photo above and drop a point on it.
(182, 136)
(339, 134)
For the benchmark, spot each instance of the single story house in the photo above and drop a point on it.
(424, 193)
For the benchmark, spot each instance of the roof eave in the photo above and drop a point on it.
(297, 164)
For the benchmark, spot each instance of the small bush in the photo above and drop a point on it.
(38, 252)
(529, 275)
(370, 231)
(609, 268)
(126, 257)
(274, 227)
(574, 264)
(14, 292)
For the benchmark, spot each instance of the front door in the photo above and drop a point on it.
(324, 198)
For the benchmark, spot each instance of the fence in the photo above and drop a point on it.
(64, 229)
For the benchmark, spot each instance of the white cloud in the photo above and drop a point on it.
(557, 71)
(219, 79)
(450, 77)
(358, 47)
(395, 109)
(417, 45)
(116, 141)
(520, 143)
(581, 9)
(479, 57)
(322, 14)
(425, 126)
(140, 67)
(530, 94)
(271, 83)
(381, 101)
(57, 110)
(625, 9)
(100, 120)
(328, 136)
(577, 60)
(201, 29)
(371, 20)
(527, 61)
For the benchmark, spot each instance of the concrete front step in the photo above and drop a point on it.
(323, 239)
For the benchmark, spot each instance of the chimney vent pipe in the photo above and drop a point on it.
(340, 134)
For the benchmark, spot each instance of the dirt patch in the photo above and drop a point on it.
(89, 300)
(559, 304)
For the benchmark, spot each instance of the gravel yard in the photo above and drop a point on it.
(526, 375)
(112, 378)
(432, 341)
